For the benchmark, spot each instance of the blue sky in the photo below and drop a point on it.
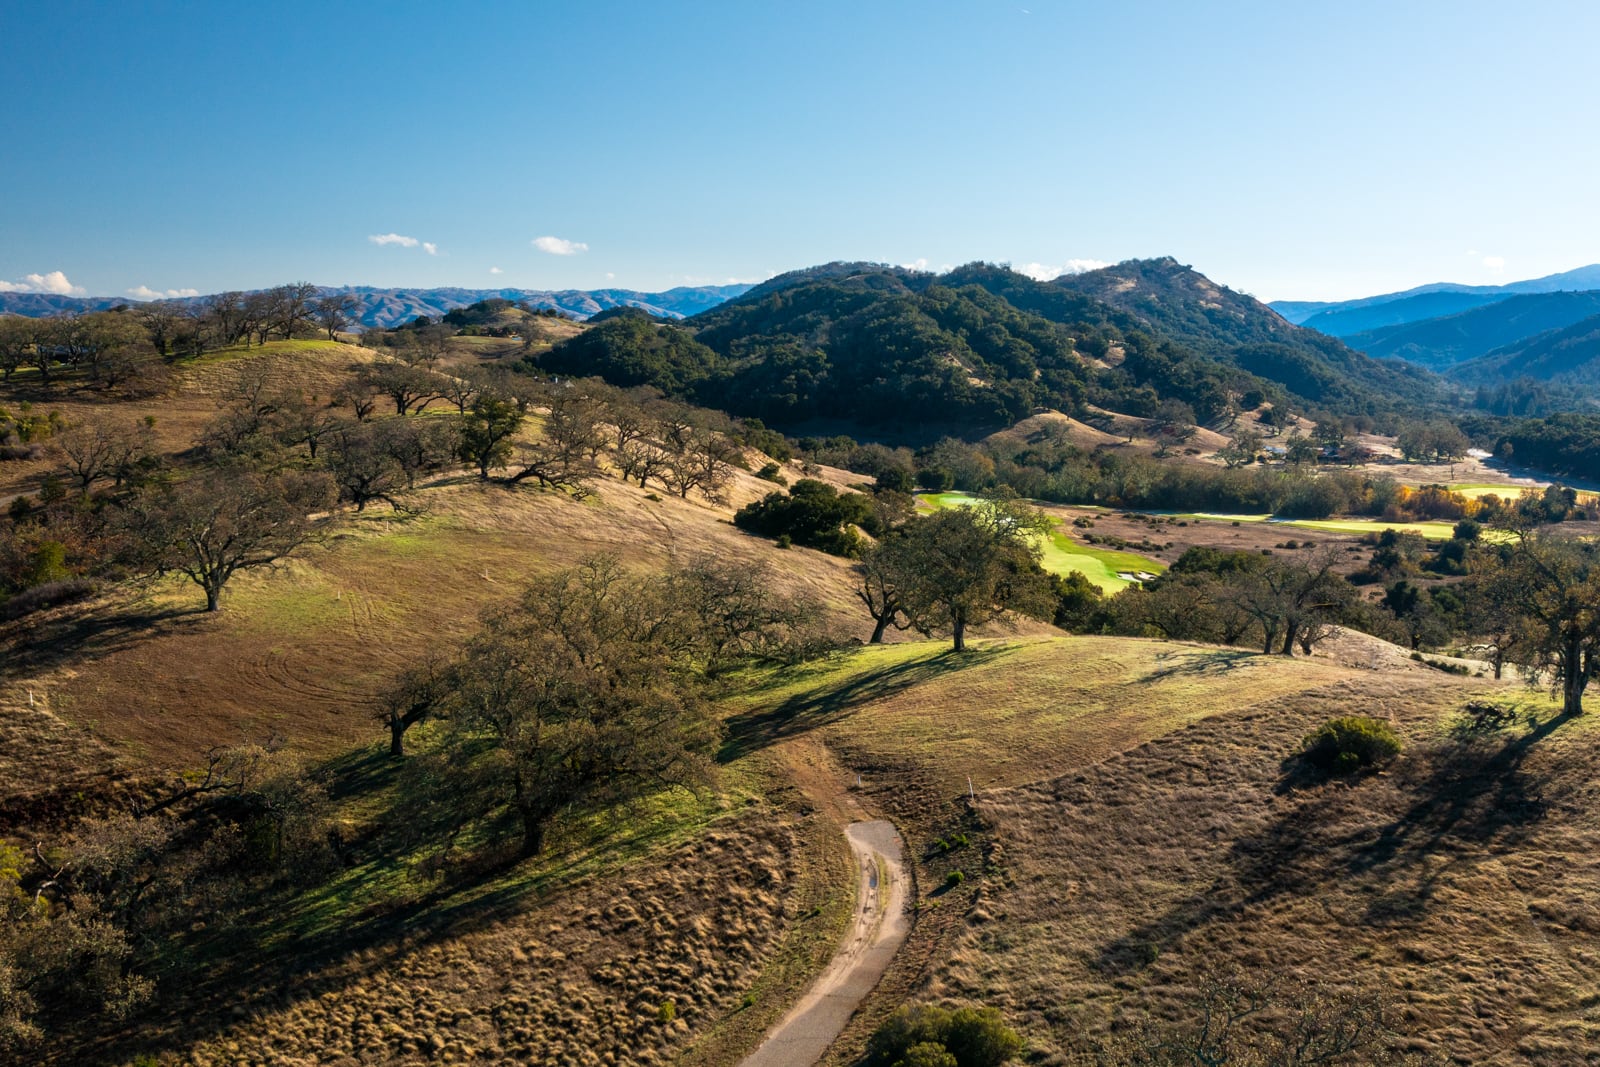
(1284, 150)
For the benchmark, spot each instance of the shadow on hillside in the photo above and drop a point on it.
(230, 983)
(759, 727)
(1200, 664)
(32, 644)
(1450, 807)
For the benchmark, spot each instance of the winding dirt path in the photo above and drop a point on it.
(879, 928)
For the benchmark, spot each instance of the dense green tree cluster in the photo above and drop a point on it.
(813, 514)
(1567, 443)
(979, 346)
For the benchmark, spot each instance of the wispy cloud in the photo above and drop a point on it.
(394, 239)
(920, 263)
(1496, 264)
(144, 292)
(496, 270)
(559, 246)
(54, 282)
(430, 248)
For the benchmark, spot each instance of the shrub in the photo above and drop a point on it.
(772, 472)
(44, 596)
(968, 1037)
(1348, 743)
(927, 1054)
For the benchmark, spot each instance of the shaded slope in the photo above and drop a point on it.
(1347, 321)
(1570, 356)
(1451, 339)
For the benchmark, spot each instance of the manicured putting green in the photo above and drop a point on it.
(1062, 555)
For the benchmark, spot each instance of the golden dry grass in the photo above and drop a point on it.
(1131, 819)
(297, 650)
(1462, 882)
(1010, 710)
(633, 966)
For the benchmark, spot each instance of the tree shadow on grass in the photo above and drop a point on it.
(307, 943)
(1200, 664)
(1459, 804)
(753, 730)
(34, 644)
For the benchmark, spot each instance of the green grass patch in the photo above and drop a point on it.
(1004, 711)
(1432, 531)
(588, 844)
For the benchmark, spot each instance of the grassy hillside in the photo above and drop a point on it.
(1092, 819)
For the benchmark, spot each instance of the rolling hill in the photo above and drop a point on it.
(1176, 302)
(883, 347)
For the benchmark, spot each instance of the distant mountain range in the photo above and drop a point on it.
(391, 307)
(1547, 329)
(1300, 312)
(1442, 342)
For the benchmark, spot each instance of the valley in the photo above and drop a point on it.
(1098, 796)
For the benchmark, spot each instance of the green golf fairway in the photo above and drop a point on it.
(1062, 555)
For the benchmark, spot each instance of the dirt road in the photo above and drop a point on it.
(879, 928)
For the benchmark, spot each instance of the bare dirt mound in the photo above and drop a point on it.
(877, 932)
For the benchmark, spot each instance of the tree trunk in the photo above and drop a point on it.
(532, 834)
(959, 632)
(878, 630)
(213, 596)
(397, 736)
(1574, 677)
(1288, 640)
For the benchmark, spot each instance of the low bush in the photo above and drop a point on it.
(1349, 743)
(44, 596)
(929, 1036)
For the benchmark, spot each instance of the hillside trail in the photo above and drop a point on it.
(877, 930)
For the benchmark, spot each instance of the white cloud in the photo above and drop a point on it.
(394, 239)
(610, 277)
(1495, 263)
(496, 270)
(144, 292)
(559, 246)
(54, 282)
(1044, 272)
(916, 264)
(430, 248)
